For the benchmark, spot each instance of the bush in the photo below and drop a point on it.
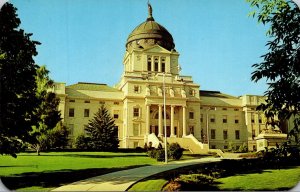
(198, 179)
(175, 151)
(82, 142)
(160, 154)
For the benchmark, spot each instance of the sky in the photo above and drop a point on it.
(84, 40)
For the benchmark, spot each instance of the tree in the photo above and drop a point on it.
(17, 81)
(281, 65)
(102, 131)
(46, 115)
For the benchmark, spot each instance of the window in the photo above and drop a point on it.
(136, 130)
(136, 89)
(213, 134)
(163, 64)
(192, 130)
(237, 134)
(236, 109)
(259, 119)
(252, 119)
(156, 64)
(191, 115)
(225, 134)
(72, 100)
(71, 128)
(213, 146)
(236, 119)
(71, 112)
(201, 118)
(101, 102)
(224, 118)
(116, 103)
(212, 118)
(224, 109)
(225, 147)
(86, 101)
(136, 112)
(253, 133)
(116, 116)
(86, 112)
(149, 63)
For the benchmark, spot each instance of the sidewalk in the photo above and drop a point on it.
(122, 180)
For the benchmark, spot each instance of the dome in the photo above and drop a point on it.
(150, 33)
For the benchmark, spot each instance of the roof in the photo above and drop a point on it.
(204, 93)
(92, 87)
(150, 33)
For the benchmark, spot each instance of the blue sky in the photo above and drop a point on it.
(84, 40)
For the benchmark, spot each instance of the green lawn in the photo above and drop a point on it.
(283, 179)
(50, 170)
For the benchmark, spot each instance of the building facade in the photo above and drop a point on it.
(151, 88)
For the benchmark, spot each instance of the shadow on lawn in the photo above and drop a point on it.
(52, 179)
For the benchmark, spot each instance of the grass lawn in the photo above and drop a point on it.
(271, 179)
(50, 170)
(265, 180)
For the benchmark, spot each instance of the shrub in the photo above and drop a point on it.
(175, 151)
(160, 154)
(198, 179)
(82, 142)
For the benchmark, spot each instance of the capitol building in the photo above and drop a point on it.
(198, 120)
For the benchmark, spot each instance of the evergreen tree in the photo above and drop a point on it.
(102, 131)
(17, 81)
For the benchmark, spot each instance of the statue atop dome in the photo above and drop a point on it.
(150, 17)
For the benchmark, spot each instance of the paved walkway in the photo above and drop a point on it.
(122, 180)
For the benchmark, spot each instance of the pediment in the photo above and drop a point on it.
(156, 49)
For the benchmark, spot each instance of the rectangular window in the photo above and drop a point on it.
(71, 128)
(136, 112)
(116, 103)
(86, 101)
(225, 134)
(101, 102)
(72, 100)
(136, 89)
(236, 119)
(213, 146)
(213, 134)
(237, 134)
(212, 118)
(236, 109)
(253, 133)
(224, 118)
(191, 115)
(136, 129)
(201, 118)
(225, 147)
(252, 119)
(224, 109)
(192, 130)
(86, 112)
(149, 63)
(163, 64)
(116, 116)
(71, 112)
(260, 119)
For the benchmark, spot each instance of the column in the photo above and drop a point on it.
(184, 121)
(160, 127)
(147, 120)
(172, 121)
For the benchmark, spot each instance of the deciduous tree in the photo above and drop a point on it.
(17, 81)
(281, 64)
